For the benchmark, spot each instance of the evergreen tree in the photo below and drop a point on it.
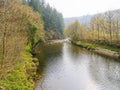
(53, 20)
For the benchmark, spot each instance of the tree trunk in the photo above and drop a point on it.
(4, 35)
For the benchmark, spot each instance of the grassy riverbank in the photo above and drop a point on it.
(22, 76)
(111, 51)
(94, 45)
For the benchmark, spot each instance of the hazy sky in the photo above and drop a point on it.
(72, 8)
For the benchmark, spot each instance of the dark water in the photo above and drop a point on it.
(67, 67)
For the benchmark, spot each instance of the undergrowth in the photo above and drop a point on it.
(22, 76)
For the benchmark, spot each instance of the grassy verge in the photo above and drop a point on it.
(22, 76)
(95, 46)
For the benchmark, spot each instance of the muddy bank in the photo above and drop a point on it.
(101, 51)
(107, 52)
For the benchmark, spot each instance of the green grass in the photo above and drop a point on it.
(21, 77)
(93, 46)
(17, 80)
(112, 48)
(85, 45)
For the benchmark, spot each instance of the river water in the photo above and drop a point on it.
(68, 67)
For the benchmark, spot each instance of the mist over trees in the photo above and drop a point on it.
(82, 19)
(103, 28)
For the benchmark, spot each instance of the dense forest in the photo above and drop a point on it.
(23, 24)
(53, 20)
(104, 28)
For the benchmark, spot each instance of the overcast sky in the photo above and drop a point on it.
(73, 8)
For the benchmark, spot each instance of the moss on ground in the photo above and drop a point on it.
(22, 76)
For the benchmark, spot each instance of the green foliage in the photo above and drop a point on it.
(33, 29)
(28, 48)
(89, 45)
(17, 80)
(53, 20)
(103, 29)
(85, 45)
(21, 28)
(36, 4)
(73, 31)
(112, 48)
(21, 77)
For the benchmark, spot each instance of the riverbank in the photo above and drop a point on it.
(65, 64)
(55, 41)
(100, 49)
(22, 76)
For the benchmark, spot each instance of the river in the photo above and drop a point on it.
(68, 67)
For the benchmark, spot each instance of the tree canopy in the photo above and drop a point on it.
(53, 20)
(103, 28)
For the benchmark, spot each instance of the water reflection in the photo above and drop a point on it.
(47, 52)
(68, 67)
(108, 72)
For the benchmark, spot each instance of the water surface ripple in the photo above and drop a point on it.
(67, 67)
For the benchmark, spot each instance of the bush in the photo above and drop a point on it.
(21, 77)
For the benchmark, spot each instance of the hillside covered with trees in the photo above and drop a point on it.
(82, 19)
(53, 20)
(23, 24)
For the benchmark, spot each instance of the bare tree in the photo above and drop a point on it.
(109, 18)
